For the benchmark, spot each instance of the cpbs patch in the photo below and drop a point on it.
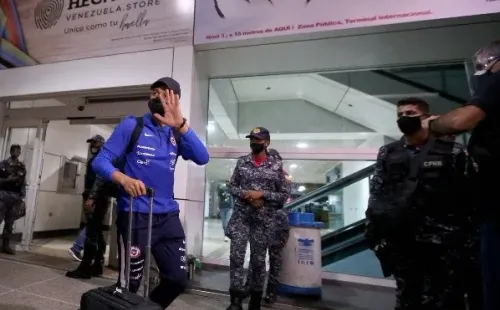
(135, 252)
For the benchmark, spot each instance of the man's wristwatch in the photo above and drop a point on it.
(183, 123)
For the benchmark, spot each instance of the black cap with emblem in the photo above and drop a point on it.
(169, 83)
(260, 133)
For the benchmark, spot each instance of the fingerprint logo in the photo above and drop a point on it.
(47, 13)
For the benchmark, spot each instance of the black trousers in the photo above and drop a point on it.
(7, 202)
(95, 244)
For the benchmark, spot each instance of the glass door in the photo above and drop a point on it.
(30, 135)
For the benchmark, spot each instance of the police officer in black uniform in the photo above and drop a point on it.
(482, 116)
(95, 201)
(12, 194)
(415, 224)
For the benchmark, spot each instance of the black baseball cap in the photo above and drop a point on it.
(260, 133)
(96, 138)
(169, 83)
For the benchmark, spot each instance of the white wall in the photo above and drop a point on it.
(85, 75)
(56, 211)
(190, 178)
(355, 196)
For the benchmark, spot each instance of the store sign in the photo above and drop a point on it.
(45, 31)
(230, 20)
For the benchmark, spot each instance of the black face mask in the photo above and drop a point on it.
(483, 81)
(409, 124)
(256, 147)
(155, 106)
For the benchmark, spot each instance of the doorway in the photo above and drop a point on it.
(30, 136)
(56, 176)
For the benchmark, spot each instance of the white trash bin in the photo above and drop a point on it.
(301, 265)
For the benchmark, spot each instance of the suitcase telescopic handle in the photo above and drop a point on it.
(150, 192)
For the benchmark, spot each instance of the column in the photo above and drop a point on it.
(189, 178)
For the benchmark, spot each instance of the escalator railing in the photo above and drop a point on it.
(330, 188)
(338, 242)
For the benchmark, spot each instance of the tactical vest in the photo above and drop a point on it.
(19, 170)
(436, 195)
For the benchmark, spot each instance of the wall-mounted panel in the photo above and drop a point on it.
(421, 46)
(234, 20)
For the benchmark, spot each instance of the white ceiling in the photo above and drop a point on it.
(334, 97)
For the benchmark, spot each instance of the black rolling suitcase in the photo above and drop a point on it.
(111, 298)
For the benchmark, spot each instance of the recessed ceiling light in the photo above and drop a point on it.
(293, 166)
(301, 188)
(302, 145)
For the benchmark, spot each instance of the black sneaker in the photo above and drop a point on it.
(79, 273)
(270, 298)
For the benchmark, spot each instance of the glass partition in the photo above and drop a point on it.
(313, 114)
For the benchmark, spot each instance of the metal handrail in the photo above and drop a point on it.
(334, 186)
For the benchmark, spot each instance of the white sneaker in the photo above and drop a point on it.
(226, 239)
(76, 256)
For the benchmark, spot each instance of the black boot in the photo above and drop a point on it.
(255, 300)
(270, 297)
(96, 270)
(6, 247)
(236, 300)
(83, 271)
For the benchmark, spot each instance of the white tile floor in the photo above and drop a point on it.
(214, 245)
(57, 247)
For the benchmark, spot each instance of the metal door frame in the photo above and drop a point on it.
(34, 175)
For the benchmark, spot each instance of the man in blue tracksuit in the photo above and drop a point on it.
(151, 163)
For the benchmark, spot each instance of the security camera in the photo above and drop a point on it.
(81, 108)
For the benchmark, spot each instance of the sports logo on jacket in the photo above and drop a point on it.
(135, 252)
(172, 140)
